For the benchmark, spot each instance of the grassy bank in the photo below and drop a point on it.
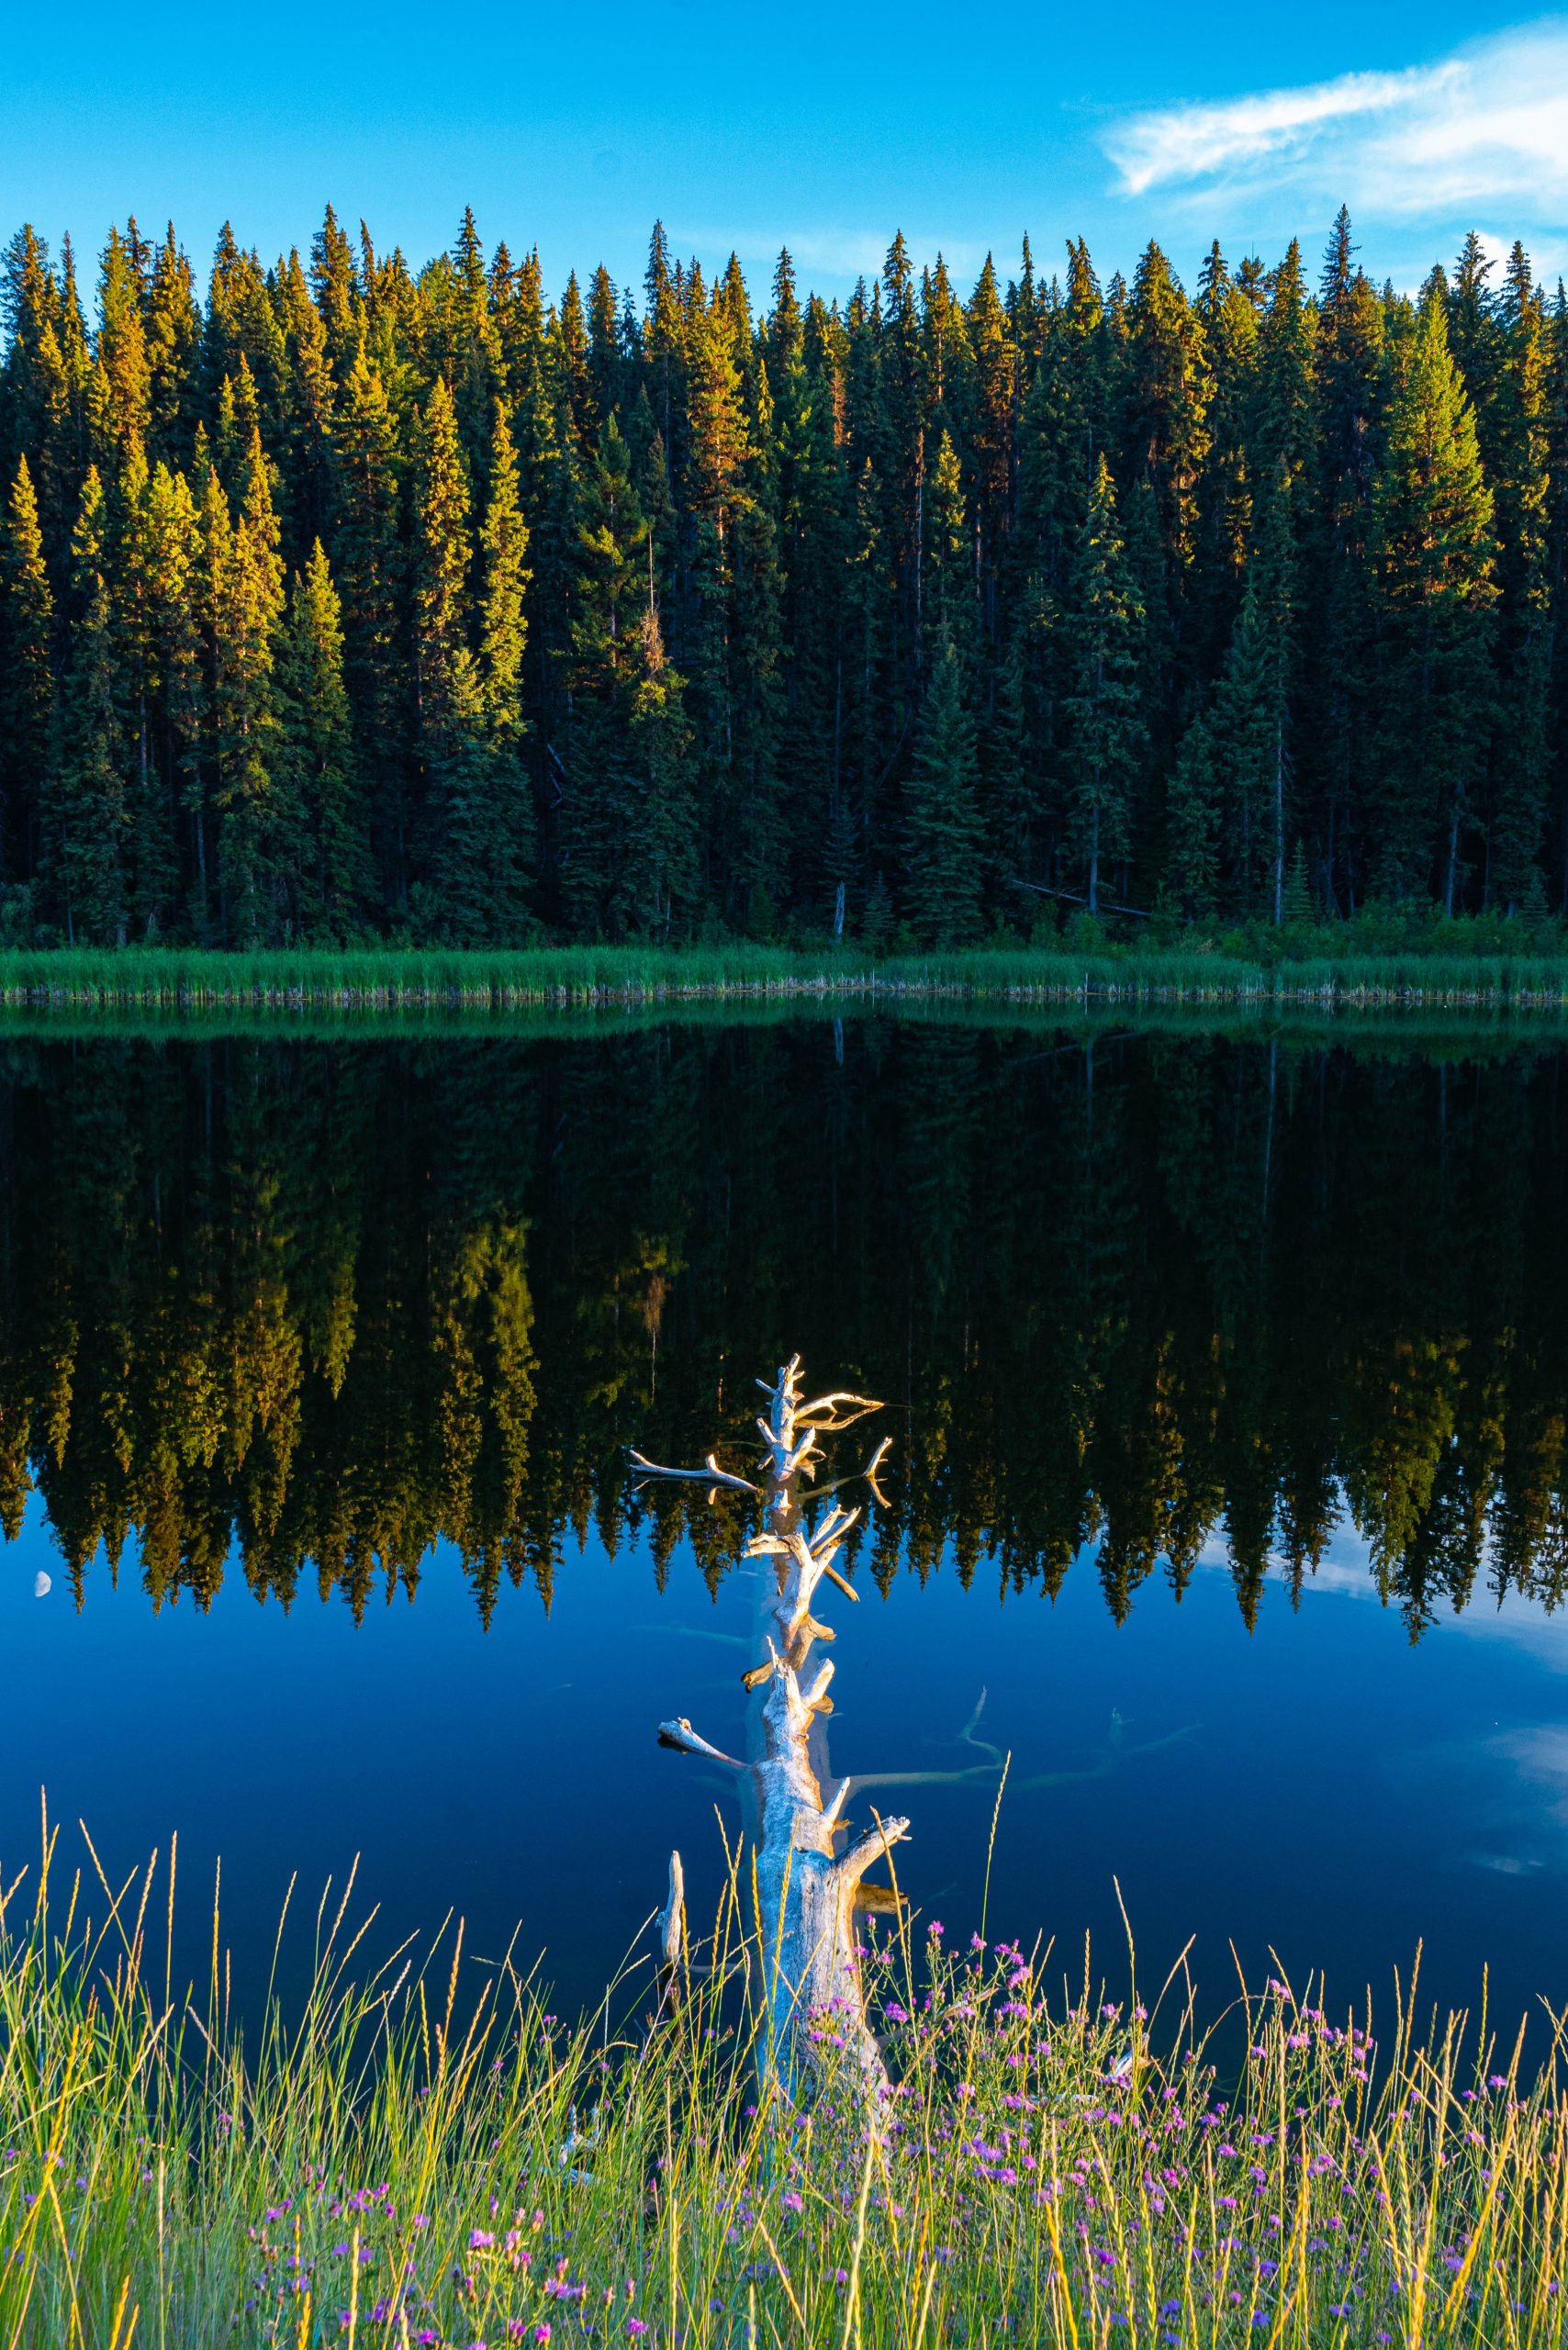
(428, 2157)
(1430, 1032)
(1447, 967)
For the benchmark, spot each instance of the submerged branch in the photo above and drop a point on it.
(711, 1474)
(686, 1740)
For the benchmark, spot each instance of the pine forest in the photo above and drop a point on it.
(344, 602)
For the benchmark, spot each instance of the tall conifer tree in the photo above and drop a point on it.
(944, 858)
(371, 578)
(316, 767)
(1432, 563)
(1519, 426)
(26, 677)
(252, 827)
(84, 820)
(1105, 736)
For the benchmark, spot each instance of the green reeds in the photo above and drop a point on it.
(1309, 971)
(419, 2153)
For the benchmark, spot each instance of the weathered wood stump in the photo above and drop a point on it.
(810, 1899)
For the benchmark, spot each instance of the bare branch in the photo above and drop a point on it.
(671, 1922)
(869, 1849)
(806, 1415)
(868, 1476)
(684, 1739)
(786, 1463)
(709, 1475)
(811, 1564)
(802, 1454)
(830, 1534)
(816, 1696)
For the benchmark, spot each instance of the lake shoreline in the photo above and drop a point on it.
(176, 981)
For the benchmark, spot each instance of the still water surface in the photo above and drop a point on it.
(1229, 1385)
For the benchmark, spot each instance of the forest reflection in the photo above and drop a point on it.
(298, 1309)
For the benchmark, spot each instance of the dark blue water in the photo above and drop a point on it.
(1321, 1762)
(1317, 1786)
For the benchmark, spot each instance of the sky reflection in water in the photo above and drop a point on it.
(1199, 1300)
(1319, 1786)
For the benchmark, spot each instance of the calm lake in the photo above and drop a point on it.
(1227, 1381)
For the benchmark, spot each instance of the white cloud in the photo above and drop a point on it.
(1189, 142)
(1481, 130)
(1345, 1571)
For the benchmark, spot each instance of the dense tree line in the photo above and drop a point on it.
(299, 1310)
(345, 600)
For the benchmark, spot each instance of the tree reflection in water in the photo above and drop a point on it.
(296, 1309)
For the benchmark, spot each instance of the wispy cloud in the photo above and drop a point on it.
(1482, 128)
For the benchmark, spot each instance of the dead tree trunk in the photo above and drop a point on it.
(809, 1899)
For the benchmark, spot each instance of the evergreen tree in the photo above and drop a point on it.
(614, 585)
(1105, 737)
(253, 828)
(661, 871)
(335, 288)
(1250, 735)
(372, 580)
(628, 862)
(1521, 471)
(120, 399)
(1283, 435)
(211, 560)
(316, 767)
(241, 325)
(756, 839)
(84, 820)
(40, 414)
(500, 831)
(503, 630)
(949, 563)
(1337, 590)
(307, 405)
(1432, 563)
(26, 677)
(1474, 333)
(576, 373)
(160, 535)
(944, 860)
(446, 679)
(443, 557)
(606, 359)
(1194, 807)
(996, 392)
(1232, 332)
(657, 653)
(1168, 392)
(172, 336)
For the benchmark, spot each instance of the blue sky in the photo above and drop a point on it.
(823, 126)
